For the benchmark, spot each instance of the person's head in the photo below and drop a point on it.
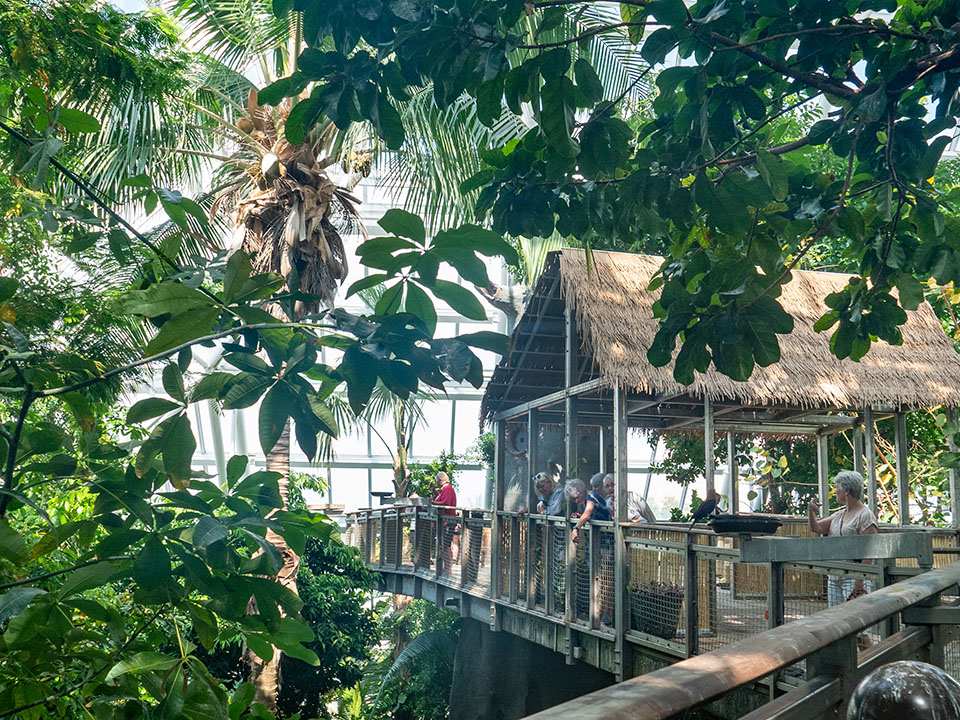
(544, 484)
(443, 478)
(848, 483)
(575, 491)
(609, 485)
(596, 483)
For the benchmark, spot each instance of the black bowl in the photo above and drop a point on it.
(736, 524)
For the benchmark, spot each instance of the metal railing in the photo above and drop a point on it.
(682, 592)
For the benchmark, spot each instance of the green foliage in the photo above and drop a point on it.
(423, 478)
(421, 688)
(734, 190)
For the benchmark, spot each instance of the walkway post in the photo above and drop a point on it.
(495, 544)
(570, 436)
(903, 477)
(733, 473)
(621, 575)
(709, 468)
(870, 460)
(823, 475)
(534, 538)
(858, 448)
(954, 475)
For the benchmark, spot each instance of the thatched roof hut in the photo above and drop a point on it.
(615, 324)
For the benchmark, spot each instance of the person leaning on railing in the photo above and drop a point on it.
(550, 496)
(854, 518)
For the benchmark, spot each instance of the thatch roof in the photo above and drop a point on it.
(613, 309)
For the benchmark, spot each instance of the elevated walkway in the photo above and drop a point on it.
(758, 608)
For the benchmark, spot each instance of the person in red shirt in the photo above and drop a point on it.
(447, 498)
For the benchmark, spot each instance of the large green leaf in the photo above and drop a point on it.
(78, 121)
(402, 223)
(15, 600)
(147, 661)
(163, 298)
(12, 546)
(244, 389)
(150, 408)
(419, 303)
(274, 414)
(178, 448)
(208, 531)
(182, 328)
(460, 299)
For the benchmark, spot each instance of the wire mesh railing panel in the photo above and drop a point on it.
(728, 618)
(425, 541)
(581, 577)
(391, 548)
(558, 561)
(656, 591)
(407, 548)
(475, 541)
(520, 556)
(505, 553)
(373, 538)
(541, 534)
(448, 561)
(605, 577)
(834, 589)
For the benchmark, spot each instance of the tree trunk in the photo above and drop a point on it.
(266, 675)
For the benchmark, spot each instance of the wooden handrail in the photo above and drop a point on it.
(700, 679)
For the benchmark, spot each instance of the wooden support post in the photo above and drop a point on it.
(548, 554)
(514, 592)
(733, 473)
(691, 593)
(709, 441)
(858, 449)
(381, 560)
(823, 475)
(533, 459)
(496, 548)
(954, 475)
(621, 603)
(398, 538)
(571, 435)
(775, 609)
(533, 536)
(593, 569)
(368, 536)
(602, 445)
(870, 459)
(438, 543)
(903, 477)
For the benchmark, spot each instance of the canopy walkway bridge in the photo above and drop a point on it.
(764, 643)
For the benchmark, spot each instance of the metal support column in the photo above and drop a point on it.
(903, 478)
(533, 536)
(823, 475)
(621, 602)
(571, 434)
(733, 473)
(858, 448)
(954, 475)
(710, 464)
(495, 540)
(870, 458)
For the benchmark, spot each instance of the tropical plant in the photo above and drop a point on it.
(711, 175)
(423, 477)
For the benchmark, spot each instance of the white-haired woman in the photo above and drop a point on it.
(854, 518)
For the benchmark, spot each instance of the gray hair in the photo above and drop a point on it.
(596, 482)
(573, 488)
(851, 481)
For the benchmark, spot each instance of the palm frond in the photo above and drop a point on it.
(434, 643)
